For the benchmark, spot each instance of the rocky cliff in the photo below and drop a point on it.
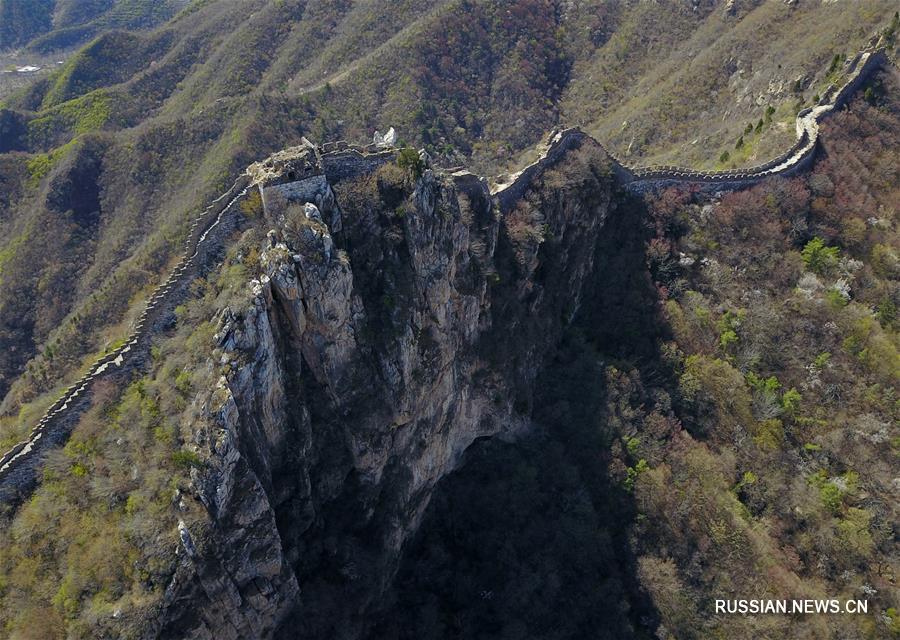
(302, 174)
(377, 347)
(399, 315)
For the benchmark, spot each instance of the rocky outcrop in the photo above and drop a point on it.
(365, 365)
(383, 340)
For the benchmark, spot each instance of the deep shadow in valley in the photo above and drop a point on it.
(528, 539)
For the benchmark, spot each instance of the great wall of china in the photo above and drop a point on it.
(19, 467)
(643, 179)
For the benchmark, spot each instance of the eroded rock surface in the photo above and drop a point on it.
(369, 359)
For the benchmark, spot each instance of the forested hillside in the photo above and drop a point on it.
(50, 25)
(155, 122)
(721, 404)
(753, 454)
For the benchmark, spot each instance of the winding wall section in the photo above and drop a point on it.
(643, 179)
(19, 466)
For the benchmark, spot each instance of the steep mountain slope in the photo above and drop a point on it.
(47, 25)
(669, 87)
(753, 455)
(309, 478)
(168, 115)
(297, 415)
(365, 357)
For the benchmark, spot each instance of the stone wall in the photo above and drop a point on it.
(642, 179)
(351, 163)
(19, 467)
(301, 191)
(560, 144)
(316, 168)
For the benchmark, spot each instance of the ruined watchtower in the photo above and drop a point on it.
(292, 175)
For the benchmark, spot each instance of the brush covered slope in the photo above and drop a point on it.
(354, 352)
(267, 474)
(152, 125)
(46, 26)
(717, 465)
(281, 460)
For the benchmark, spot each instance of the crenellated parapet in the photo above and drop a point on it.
(300, 174)
(305, 174)
(642, 179)
(19, 466)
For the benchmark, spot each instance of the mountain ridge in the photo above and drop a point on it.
(640, 179)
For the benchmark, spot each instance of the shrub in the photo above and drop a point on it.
(408, 159)
(713, 385)
(632, 474)
(791, 400)
(820, 258)
(835, 63)
(769, 435)
(186, 459)
(886, 311)
(890, 36)
(836, 299)
(831, 497)
(853, 533)
(727, 338)
(252, 206)
(885, 262)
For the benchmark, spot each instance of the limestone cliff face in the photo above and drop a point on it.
(376, 349)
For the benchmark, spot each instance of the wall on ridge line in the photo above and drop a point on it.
(875, 61)
(301, 190)
(641, 180)
(561, 144)
(351, 163)
(19, 468)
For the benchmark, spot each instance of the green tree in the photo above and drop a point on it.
(408, 159)
(820, 258)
